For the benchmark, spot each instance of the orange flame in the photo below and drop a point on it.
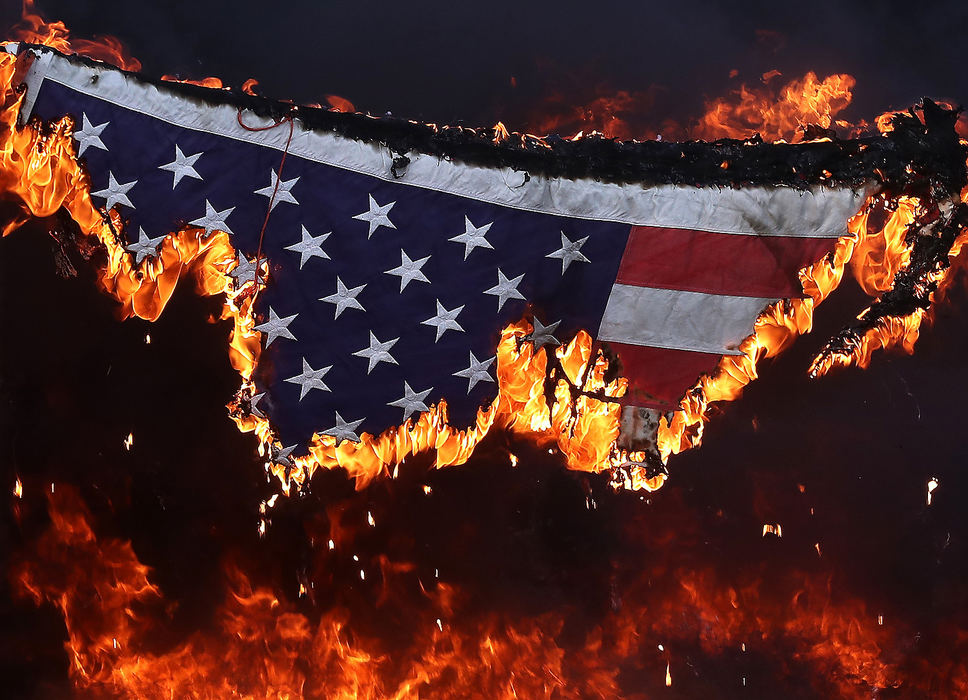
(264, 645)
(775, 117)
(34, 29)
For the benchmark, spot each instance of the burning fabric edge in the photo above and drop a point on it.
(573, 396)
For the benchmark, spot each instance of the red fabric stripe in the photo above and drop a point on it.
(718, 263)
(659, 377)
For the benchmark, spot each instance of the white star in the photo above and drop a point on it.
(283, 193)
(542, 335)
(409, 270)
(505, 289)
(254, 403)
(115, 192)
(444, 320)
(377, 352)
(214, 220)
(344, 297)
(343, 430)
(89, 135)
(376, 216)
(144, 247)
(276, 327)
(569, 252)
(473, 237)
(309, 247)
(182, 166)
(475, 372)
(243, 272)
(281, 455)
(310, 379)
(411, 401)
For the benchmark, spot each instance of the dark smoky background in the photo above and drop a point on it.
(476, 63)
(842, 463)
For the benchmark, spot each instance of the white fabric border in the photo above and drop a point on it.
(765, 211)
(679, 320)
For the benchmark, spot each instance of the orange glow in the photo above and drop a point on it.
(264, 645)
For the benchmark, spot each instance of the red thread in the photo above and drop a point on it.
(272, 199)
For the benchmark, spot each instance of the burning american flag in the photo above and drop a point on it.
(370, 264)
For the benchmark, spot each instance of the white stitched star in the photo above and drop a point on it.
(309, 247)
(281, 455)
(505, 289)
(376, 216)
(344, 298)
(89, 135)
(409, 270)
(283, 193)
(475, 372)
(412, 401)
(444, 320)
(243, 272)
(144, 247)
(569, 252)
(542, 335)
(115, 192)
(377, 352)
(344, 430)
(254, 403)
(310, 379)
(182, 166)
(473, 237)
(276, 327)
(214, 220)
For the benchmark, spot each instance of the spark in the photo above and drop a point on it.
(147, 339)
(427, 490)
(440, 625)
(272, 501)
(513, 459)
(668, 675)
(362, 575)
(18, 488)
(128, 442)
(773, 529)
(369, 519)
(933, 483)
(331, 544)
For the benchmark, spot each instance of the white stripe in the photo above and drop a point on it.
(678, 320)
(815, 213)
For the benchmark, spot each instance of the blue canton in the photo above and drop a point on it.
(383, 297)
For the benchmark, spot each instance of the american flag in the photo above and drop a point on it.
(388, 290)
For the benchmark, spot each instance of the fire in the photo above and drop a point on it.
(777, 116)
(264, 645)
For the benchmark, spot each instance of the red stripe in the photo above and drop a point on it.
(718, 263)
(658, 377)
